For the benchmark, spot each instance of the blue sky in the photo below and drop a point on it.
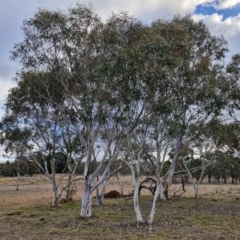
(211, 8)
(222, 18)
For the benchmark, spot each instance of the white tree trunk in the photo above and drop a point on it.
(54, 186)
(161, 192)
(86, 208)
(100, 197)
(136, 203)
(70, 178)
(69, 187)
(197, 195)
(158, 182)
(136, 193)
(54, 194)
(195, 185)
(153, 211)
(171, 170)
(134, 183)
(97, 194)
(120, 183)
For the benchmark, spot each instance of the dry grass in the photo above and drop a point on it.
(26, 214)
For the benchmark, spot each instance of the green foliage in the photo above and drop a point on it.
(85, 81)
(20, 166)
(23, 167)
(7, 169)
(166, 166)
(60, 162)
(32, 168)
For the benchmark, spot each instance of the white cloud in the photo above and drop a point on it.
(219, 4)
(5, 86)
(229, 28)
(223, 4)
(13, 12)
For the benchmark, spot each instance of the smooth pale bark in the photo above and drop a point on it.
(69, 188)
(156, 195)
(97, 194)
(153, 210)
(197, 193)
(171, 170)
(161, 192)
(86, 197)
(70, 179)
(134, 183)
(86, 208)
(136, 192)
(55, 194)
(196, 185)
(17, 183)
(54, 185)
(106, 174)
(100, 197)
(136, 202)
(136, 175)
(120, 183)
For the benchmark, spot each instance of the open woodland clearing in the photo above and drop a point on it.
(27, 214)
(93, 96)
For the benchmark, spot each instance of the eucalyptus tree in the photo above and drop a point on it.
(196, 84)
(189, 85)
(70, 145)
(227, 164)
(113, 102)
(96, 66)
(28, 104)
(15, 140)
(161, 57)
(232, 90)
(111, 77)
(203, 153)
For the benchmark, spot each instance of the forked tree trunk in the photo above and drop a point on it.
(170, 173)
(100, 197)
(196, 185)
(52, 180)
(197, 195)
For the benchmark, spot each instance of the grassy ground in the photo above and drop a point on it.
(214, 216)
